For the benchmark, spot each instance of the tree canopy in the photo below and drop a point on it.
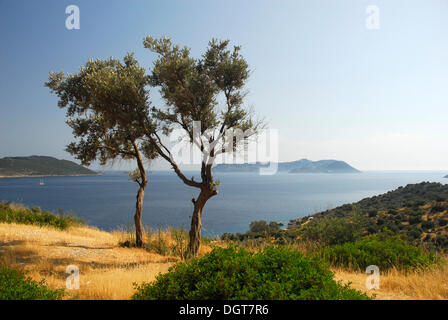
(105, 103)
(210, 91)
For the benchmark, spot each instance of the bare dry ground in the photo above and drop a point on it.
(108, 271)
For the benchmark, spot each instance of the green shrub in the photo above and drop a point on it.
(158, 240)
(441, 241)
(414, 233)
(393, 211)
(180, 237)
(159, 244)
(257, 229)
(385, 251)
(237, 273)
(393, 227)
(443, 222)
(372, 213)
(438, 208)
(414, 219)
(331, 231)
(427, 225)
(11, 213)
(16, 286)
(228, 236)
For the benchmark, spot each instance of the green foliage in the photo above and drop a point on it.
(159, 244)
(191, 87)
(157, 240)
(438, 208)
(385, 250)
(262, 227)
(257, 229)
(16, 286)
(408, 211)
(441, 241)
(208, 90)
(135, 175)
(427, 225)
(237, 273)
(332, 231)
(414, 233)
(107, 107)
(226, 236)
(412, 194)
(180, 237)
(11, 213)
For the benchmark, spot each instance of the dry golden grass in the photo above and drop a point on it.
(396, 285)
(108, 271)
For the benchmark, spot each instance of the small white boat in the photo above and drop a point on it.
(41, 182)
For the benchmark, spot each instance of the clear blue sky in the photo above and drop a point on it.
(377, 99)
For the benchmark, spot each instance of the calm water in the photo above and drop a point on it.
(108, 201)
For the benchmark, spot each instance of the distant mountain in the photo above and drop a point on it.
(322, 166)
(40, 166)
(446, 176)
(299, 166)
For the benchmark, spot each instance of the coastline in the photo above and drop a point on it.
(49, 175)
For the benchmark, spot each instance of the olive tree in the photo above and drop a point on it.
(105, 102)
(208, 90)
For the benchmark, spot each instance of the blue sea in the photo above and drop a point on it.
(108, 201)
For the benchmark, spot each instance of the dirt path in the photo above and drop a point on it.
(106, 270)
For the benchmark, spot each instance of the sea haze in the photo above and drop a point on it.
(108, 201)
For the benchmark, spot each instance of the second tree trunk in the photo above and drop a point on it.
(196, 224)
(138, 217)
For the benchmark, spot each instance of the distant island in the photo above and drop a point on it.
(299, 166)
(35, 166)
(446, 176)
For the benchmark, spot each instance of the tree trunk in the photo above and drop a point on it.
(196, 223)
(138, 216)
(140, 195)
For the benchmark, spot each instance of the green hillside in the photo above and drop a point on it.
(40, 166)
(418, 211)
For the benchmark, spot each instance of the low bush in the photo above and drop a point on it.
(257, 229)
(167, 242)
(427, 225)
(331, 231)
(385, 251)
(441, 241)
(15, 285)
(438, 208)
(237, 273)
(11, 213)
(443, 222)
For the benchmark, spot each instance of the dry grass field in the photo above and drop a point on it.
(108, 271)
(395, 285)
